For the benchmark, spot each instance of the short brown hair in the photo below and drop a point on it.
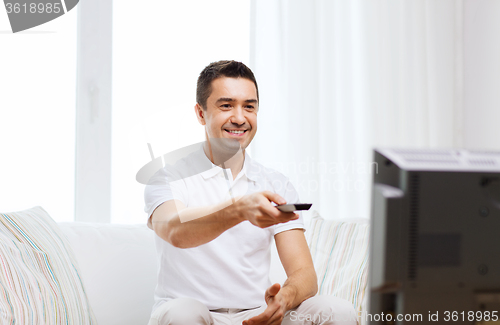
(224, 68)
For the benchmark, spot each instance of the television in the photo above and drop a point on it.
(435, 237)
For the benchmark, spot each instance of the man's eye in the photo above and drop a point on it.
(225, 106)
(250, 107)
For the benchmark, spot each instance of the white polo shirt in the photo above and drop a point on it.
(231, 271)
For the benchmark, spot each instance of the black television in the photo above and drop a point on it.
(435, 237)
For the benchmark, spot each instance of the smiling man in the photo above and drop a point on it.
(214, 226)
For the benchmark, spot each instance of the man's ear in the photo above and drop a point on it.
(200, 113)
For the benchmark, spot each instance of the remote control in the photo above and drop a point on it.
(294, 207)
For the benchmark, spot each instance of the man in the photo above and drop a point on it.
(214, 216)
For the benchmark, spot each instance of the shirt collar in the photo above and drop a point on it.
(249, 168)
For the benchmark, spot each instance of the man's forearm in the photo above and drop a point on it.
(194, 226)
(190, 227)
(299, 286)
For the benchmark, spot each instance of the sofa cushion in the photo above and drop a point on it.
(118, 267)
(39, 276)
(339, 249)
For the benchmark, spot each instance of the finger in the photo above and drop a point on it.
(273, 290)
(287, 216)
(266, 223)
(295, 216)
(276, 315)
(276, 318)
(271, 211)
(263, 317)
(273, 197)
(277, 322)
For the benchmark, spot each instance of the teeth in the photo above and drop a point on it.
(236, 132)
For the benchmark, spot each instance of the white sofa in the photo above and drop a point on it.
(105, 274)
(118, 267)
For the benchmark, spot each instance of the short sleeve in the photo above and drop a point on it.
(163, 186)
(291, 196)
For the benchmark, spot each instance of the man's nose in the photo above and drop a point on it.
(238, 116)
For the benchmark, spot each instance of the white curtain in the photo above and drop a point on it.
(337, 78)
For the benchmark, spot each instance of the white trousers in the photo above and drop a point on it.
(318, 310)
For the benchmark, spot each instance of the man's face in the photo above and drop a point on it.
(231, 110)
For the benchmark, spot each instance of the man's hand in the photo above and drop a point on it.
(257, 209)
(275, 311)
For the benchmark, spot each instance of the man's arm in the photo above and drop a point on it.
(300, 284)
(295, 256)
(204, 224)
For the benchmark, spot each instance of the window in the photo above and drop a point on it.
(37, 116)
(158, 50)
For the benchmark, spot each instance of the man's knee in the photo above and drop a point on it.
(328, 310)
(182, 311)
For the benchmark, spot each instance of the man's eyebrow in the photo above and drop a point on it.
(227, 99)
(251, 101)
(224, 99)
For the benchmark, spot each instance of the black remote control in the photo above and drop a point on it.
(294, 207)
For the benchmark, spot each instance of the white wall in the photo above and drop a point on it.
(482, 74)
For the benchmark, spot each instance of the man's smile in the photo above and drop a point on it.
(236, 132)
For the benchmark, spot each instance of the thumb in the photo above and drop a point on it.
(273, 290)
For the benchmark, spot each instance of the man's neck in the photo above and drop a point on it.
(235, 163)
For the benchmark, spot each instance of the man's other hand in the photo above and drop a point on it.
(257, 209)
(275, 311)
